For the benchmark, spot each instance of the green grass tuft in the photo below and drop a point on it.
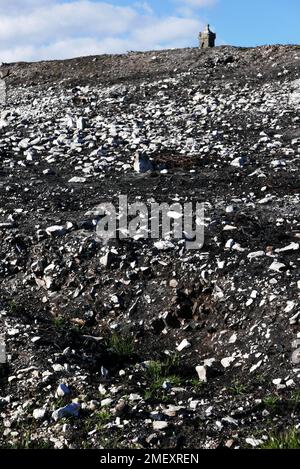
(287, 440)
(122, 345)
(157, 373)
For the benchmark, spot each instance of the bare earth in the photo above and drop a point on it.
(225, 124)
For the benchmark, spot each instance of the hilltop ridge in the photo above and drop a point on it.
(114, 68)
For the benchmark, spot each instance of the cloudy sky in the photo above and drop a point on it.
(55, 29)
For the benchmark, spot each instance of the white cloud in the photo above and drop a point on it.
(49, 29)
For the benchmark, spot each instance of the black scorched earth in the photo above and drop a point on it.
(127, 343)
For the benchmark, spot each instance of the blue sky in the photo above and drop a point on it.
(49, 29)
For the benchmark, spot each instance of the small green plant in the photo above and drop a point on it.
(260, 379)
(287, 440)
(122, 345)
(103, 418)
(171, 362)
(296, 397)
(154, 370)
(59, 322)
(14, 308)
(156, 374)
(238, 388)
(197, 385)
(271, 402)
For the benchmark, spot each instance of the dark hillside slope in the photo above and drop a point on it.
(124, 324)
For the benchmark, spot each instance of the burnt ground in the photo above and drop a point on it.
(221, 127)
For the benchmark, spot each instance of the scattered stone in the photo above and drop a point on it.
(135, 397)
(183, 345)
(72, 301)
(77, 180)
(226, 362)
(142, 164)
(254, 442)
(160, 425)
(201, 371)
(106, 402)
(39, 414)
(173, 283)
(239, 162)
(296, 357)
(291, 247)
(277, 267)
(107, 260)
(55, 230)
(62, 390)
(70, 410)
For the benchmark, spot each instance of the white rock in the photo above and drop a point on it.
(55, 230)
(291, 247)
(202, 373)
(81, 123)
(290, 306)
(13, 332)
(194, 404)
(290, 383)
(24, 144)
(254, 255)
(57, 367)
(142, 164)
(239, 162)
(71, 410)
(295, 319)
(184, 344)
(106, 259)
(62, 390)
(278, 163)
(106, 402)
(163, 245)
(77, 180)
(266, 200)
(226, 362)
(230, 209)
(39, 414)
(254, 442)
(233, 339)
(237, 247)
(135, 398)
(35, 339)
(256, 366)
(277, 267)
(229, 244)
(296, 357)
(160, 425)
(296, 343)
(173, 283)
(102, 390)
